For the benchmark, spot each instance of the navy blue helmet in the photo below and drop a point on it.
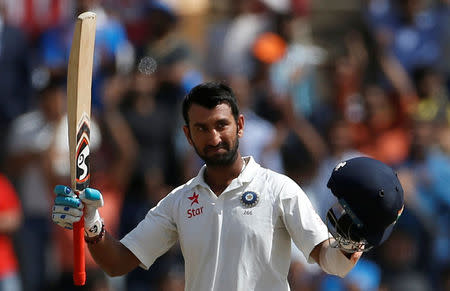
(369, 202)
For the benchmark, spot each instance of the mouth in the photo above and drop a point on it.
(216, 150)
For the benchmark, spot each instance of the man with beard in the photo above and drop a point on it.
(234, 221)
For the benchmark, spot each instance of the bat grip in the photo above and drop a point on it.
(79, 273)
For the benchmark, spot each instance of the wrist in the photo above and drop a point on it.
(97, 238)
(334, 261)
(93, 224)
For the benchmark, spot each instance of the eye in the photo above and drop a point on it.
(200, 128)
(221, 125)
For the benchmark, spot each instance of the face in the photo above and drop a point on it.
(381, 111)
(341, 136)
(53, 104)
(214, 133)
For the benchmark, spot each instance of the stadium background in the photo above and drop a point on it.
(318, 81)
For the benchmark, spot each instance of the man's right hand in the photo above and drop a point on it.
(69, 209)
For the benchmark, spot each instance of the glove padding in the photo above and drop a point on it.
(69, 209)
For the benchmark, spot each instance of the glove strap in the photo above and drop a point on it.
(97, 238)
(92, 223)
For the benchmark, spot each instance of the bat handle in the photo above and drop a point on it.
(79, 273)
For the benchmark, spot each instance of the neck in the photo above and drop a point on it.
(219, 177)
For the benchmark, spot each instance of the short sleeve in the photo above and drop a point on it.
(154, 235)
(304, 225)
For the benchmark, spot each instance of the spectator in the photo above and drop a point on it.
(432, 93)
(295, 72)
(409, 34)
(383, 132)
(339, 147)
(176, 63)
(406, 30)
(38, 157)
(436, 197)
(349, 71)
(231, 41)
(428, 166)
(35, 16)
(400, 263)
(111, 46)
(261, 139)
(110, 164)
(15, 79)
(151, 124)
(152, 127)
(10, 220)
(30, 146)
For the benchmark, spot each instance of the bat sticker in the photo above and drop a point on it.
(82, 158)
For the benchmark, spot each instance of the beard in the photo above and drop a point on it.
(224, 159)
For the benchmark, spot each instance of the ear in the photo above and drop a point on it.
(187, 133)
(240, 125)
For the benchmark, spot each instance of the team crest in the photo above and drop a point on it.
(249, 199)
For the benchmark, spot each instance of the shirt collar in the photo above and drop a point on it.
(244, 177)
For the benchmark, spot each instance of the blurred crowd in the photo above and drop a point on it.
(318, 82)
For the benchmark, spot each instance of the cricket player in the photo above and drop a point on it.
(234, 221)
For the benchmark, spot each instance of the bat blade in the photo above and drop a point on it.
(79, 85)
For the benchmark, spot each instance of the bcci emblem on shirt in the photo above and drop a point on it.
(249, 199)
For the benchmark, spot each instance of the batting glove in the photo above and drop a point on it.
(69, 209)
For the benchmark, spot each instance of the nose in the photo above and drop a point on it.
(215, 138)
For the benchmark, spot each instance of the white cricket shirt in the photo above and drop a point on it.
(226, 245)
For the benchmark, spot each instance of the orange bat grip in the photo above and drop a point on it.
(79, 272)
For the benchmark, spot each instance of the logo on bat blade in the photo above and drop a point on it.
(83, 162)
(82, 157)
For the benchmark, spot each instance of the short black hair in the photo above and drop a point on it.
(54, 83)
(209, 95)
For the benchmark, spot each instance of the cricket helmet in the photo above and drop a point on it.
(369, 203)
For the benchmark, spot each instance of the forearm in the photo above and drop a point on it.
(112, 256)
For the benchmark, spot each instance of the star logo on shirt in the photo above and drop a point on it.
(193, 198)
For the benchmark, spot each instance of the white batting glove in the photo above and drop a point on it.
(69, 209)
(92, 199)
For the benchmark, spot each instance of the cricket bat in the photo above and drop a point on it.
(79, 84)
